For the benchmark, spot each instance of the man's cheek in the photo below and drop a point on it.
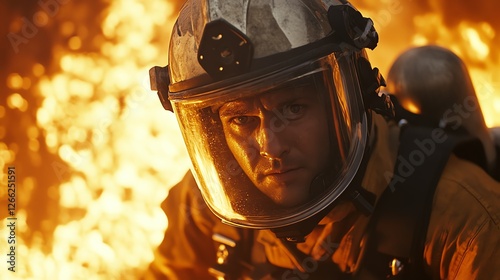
(249, 154)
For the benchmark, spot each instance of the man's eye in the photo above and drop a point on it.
(241, 120)
(293, 111)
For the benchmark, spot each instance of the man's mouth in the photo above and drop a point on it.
(280, 171)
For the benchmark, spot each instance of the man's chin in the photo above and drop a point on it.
(291, 197)
(285, 193)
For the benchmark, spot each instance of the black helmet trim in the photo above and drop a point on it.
(224, 50)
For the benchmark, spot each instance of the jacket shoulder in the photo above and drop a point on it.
(187, 249)
(185, 202)
(475, 190)
(463, 238)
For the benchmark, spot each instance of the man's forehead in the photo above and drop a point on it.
(274, 97)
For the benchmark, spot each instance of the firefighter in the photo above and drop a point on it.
(434, 83)
(298, 171)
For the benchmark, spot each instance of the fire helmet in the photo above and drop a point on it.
(271, 99)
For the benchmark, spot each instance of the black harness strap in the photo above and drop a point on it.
(496, 170)
(398, 228)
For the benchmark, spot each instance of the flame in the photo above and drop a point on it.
(120, 152)
(121, 149)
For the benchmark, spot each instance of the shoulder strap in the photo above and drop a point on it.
(495, 132)
(496, 170)
(398, 228)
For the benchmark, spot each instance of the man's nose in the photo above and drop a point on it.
(272, 144)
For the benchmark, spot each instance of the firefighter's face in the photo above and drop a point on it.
(280, 139)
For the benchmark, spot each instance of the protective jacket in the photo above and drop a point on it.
(462, 241)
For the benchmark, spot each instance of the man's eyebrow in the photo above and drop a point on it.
(233, 108)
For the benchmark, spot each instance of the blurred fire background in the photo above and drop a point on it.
(93, 149)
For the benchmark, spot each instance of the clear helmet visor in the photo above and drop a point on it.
(275, 150)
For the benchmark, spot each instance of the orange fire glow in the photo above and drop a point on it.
(404, 24)
(115, 151)
(119, 150)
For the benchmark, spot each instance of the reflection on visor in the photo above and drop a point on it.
(219, 198)
(258, 147)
